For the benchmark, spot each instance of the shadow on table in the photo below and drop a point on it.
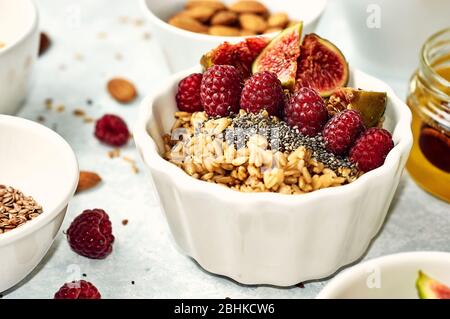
(394, 203)
(38, 268)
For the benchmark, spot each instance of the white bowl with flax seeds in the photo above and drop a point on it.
(268, 237)
(39, 163)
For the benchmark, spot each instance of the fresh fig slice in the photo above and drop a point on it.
(280, 56)
(240, 55)
(429, 288)
(321, 66)
(370, 104)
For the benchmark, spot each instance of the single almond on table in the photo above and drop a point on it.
(224, 18)
(187, 23)
(253, 22)
(87, 180)
(278, 20)
(221, 30)
(121, 90)
(201, 14)
(215, 4)
(249, 7)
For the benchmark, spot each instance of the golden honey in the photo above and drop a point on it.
(429, 101)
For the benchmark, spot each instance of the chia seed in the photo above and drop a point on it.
(282, 137)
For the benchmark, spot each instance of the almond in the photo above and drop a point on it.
(278, 20)
(246, 33)
(253, 22)
(272, 30)
(121, 90)
(224, 18)
(87, 180)
(244, 6)
(183, 22)
(217, 5)
(202, 14)
(221, 30)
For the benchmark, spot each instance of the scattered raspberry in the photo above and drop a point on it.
(262, 91)
(78, 290)
(188, 95)
(220, 90)
(306, 110)
(342, 130)
(371, 149)
(112, 130)
(90, 234)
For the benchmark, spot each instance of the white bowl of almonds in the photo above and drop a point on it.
(274, 173)
(39, 176)
(187, 28)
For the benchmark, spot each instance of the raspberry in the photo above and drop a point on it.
(78, 290)
(342, 130)
(306, 110)
(90, 234)
(112, 130)
(371, 149)
(188, 95)
(220, 90)
(262, 91)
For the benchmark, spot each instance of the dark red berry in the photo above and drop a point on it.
(263, 91)
(112, 130)
(371, 149)
(188, 95)
(220, 90)
(80, 289)
(306, 111)
(341, 132)
(90, 234)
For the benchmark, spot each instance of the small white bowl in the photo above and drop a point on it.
(41, 164)
(20, 35)
(388, 277)
(270, 238)
(183, 49)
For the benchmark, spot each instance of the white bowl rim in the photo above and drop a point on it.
(147, 144)
(25, 35)
(396, 258)
(198, 36)
(72, 178)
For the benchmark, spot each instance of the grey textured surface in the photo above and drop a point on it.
(144, 251)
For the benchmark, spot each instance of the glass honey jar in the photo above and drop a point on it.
(429, 101)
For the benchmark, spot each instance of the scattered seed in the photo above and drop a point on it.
(41, 119)
(78, 56)
(79, 112)
(60, 108)
(114, 153)
(125, 222)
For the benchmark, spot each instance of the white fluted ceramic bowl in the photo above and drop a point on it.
(388, 277)
(41, 164)
(270, 238)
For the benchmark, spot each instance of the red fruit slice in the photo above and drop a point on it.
(240, 55)
(280, 56)
(429, 288)
(321, 66)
